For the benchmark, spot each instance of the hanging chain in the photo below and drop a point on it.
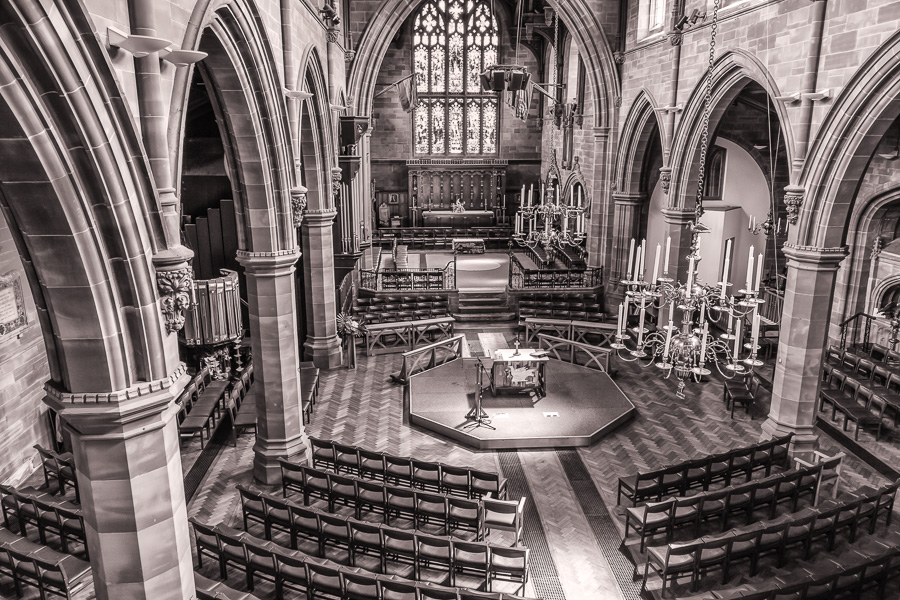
(553, 79)
(707, 101)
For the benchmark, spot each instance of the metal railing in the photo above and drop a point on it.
(863, 330)
(593, 355)
(521, 278)
(409, 278)
(429, 357)
(773, 306)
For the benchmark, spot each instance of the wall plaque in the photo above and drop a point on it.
(12, 305)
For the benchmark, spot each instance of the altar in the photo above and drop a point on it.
(448, 218)
(520, 372)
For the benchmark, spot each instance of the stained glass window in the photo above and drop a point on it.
(453, 42)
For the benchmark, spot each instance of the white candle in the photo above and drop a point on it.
(737, 340)
(754, 335)
(725, 278)
(630, 258)
(759, 265)
(656, 263)
(619, 322)
(547, 226)
(778, 228)
(643, 255)
(571, 196)
(580, 197)
(523, 195)
(565, 224)
(703, 343)
(557, 195)
(666, 263)
(727, 258)
(671, 312)
(750, 271)
(668, 341)
(543, 197)
(750, 223)
(530, 194)
(702, 314)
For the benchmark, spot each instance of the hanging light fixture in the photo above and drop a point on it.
(550, 223)
(514, 78)
(685, 351)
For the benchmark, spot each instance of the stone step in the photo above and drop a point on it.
(483, 309)
(482, 301)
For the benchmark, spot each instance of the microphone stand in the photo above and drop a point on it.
(477, 416)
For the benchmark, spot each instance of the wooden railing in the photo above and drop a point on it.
(429, 357)
(409, 279)
(569, 330)
(774, 305)
(521, 278)
(594, 355)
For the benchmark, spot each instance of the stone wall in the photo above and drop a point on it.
(23, 371)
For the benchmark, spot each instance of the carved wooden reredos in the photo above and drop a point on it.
(436, 184)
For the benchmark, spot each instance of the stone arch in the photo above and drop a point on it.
(391, 15)
(730, 74)
(247, 95)
(87, 244)
(880, 290)
(315, 143)
(636, 136)
(844, 145)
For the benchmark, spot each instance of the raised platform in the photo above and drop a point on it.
(581, 406)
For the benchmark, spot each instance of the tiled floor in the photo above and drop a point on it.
(362, 407)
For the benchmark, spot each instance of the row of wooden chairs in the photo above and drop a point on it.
(317, 577)
(702, 472)
(743, 499)
(881, 374)
(868, 566)
(28, 506)
(745, 390)
(857, 402)
(210, 589)
(407, 471)
(722, 551)
(200, 413)
(387, 543)
(51, 572)
(421, 507)
(60, 468)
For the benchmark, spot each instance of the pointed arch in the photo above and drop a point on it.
(730, 74)
(80, 202)
(642, 122)
(316, 141)
(247, 94)
(844, 145)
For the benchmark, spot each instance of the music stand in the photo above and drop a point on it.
(477, 416)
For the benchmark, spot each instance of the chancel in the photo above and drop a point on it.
(449, 299)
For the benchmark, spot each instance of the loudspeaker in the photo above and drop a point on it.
(486, 81)
(515, 81)
(498, 83)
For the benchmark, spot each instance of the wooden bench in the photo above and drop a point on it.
(205, 414)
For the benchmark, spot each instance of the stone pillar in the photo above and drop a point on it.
(273, 334)
(677, 220)
(626, 225)
(130, 481)
(322, 344)
(808, 299)
(599, 230)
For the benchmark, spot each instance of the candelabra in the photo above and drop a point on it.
(547, 223)
(686, 351)
(767, 227)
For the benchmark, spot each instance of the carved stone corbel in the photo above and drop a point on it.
(675, 39)
(619, 57)
(665, 178)
(176, 291)
(336, 184)
(298, 204)
(793, 200)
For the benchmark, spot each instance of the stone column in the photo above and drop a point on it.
(599, 230)
(131, 486)
(322, 344)
(677, 220)
(808, 299)
(273, 334)
(626, 225)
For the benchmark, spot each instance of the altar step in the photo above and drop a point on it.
(483, 306)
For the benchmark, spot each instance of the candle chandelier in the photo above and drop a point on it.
(685, 351)
(549, 223)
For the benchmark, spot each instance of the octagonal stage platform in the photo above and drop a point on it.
(581, 406)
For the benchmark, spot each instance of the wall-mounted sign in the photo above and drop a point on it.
(12, 305)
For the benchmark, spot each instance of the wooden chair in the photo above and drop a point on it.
(506, 515)
(650, 518)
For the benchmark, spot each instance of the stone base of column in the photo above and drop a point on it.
(266, 468)
(802, 444)
(325, 352)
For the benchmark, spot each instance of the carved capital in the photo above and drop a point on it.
(675, 38)
(618, 102)
(176, 291)
(298, 204)
(665, 178)
(349, 55)
(331, 35)
(619, 58)
(793, 200)
(336, 184)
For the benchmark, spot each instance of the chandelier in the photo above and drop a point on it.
(550, 223)
(687, 349)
